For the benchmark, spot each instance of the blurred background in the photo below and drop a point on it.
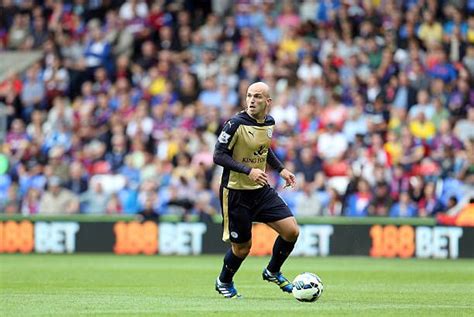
(113, 107)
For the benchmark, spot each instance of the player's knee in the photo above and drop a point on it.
(242, 253)
(242, 250)
(292, 234)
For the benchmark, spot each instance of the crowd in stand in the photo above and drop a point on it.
(373, 99)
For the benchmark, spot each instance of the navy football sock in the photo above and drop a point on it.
(230, 267)
(281, 251)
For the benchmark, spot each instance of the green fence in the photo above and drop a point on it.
(217, 219)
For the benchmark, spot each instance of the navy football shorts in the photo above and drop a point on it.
(240, 208)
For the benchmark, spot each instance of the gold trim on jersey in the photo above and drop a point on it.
(249, 146)
(225, 214)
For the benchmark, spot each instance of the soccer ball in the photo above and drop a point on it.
(307, 287)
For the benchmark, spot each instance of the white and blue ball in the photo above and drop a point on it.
(307, 287)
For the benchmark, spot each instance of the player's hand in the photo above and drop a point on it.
(289, 177)
(258, 176)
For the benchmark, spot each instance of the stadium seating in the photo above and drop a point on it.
(134, 99)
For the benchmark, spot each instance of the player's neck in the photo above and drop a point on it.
(259, 118)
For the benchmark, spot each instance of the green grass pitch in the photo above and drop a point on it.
(108, 285)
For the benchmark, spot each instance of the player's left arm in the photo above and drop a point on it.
(289, 177)
(276, 164)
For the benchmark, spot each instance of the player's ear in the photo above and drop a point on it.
(268, 105)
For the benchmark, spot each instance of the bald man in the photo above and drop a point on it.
(243, 149)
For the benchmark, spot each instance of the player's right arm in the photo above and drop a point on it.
(224, 146)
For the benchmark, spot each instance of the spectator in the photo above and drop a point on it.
(459, 99)
(116, 156)
(468, 60)
(334, 204)
(357, 123)
(466, 173)
(393, 148)
(210, 96)
(308, 164)
(421, 128)
(358, 202)
(56, 164)
(309, 71)
(16, 140)
(61, 113)
(133, 8)
(114, 205)
(412, 150)
(377, 115)
(405, 94)
(443, 69)
(440, 113)
(141, 123)
(31, 202)
(404, 207)
(148, 212)
(381, 203)
(78, 182)
(97, 50)
(417, 184)
(56, 79)
(429, 204)
(417, 75)
(208, 67)
(430, 30)
(31, 176)
(464, 128)
(331, 144)
(35, 127)
(19, 31)
(58, 200)
(33, 94)
(444, 140)
(271, 31)
(94, 200)
(128, 197)
(307, 201)
(211, 31)
(12, 202)
(204, 209)
(284, 110)
(423, 105)
(148, 57)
